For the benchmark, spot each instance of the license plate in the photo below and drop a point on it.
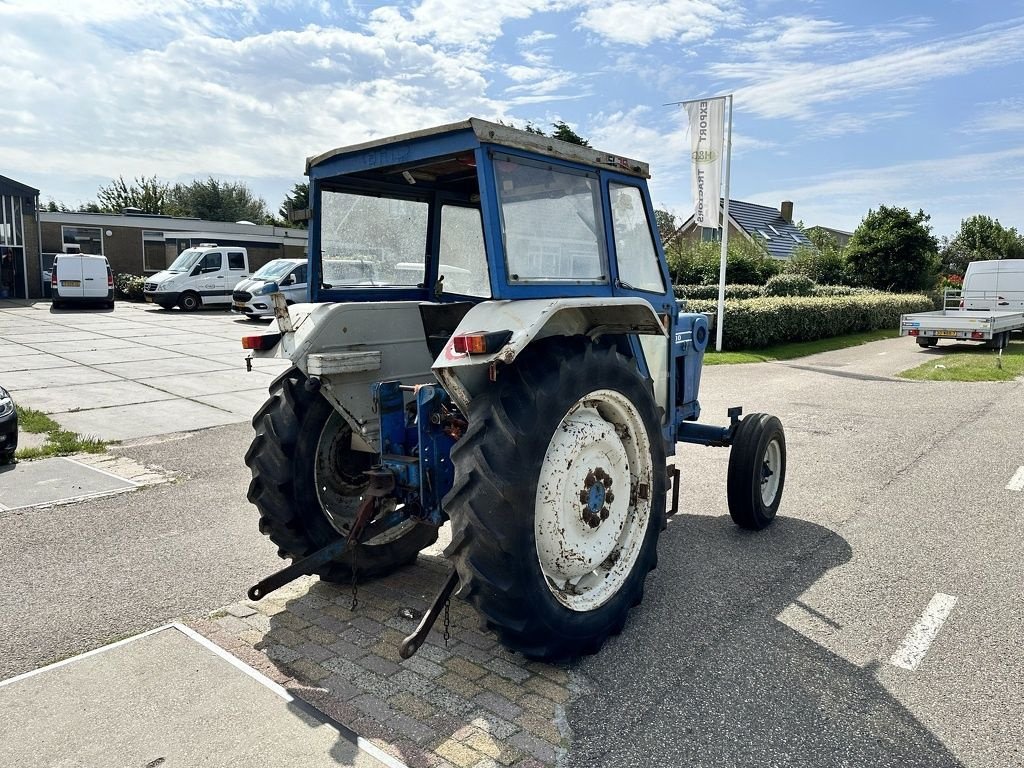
(947, 334)
(149, 299)
(71, 283)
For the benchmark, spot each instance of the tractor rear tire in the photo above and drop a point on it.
(757, 471)
(558, 498)
(307, 482)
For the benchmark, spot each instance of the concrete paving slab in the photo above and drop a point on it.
(48, 333)
(10, 349)
(147, 369)
(32, 362)
(198, 385)
(166, 699)
(242, 403)
(119, 355)
(125, 422)
(59, 347)
(54, 377)
(80, 397)
(48, 481)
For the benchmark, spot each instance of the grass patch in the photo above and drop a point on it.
(977, 364)
(59, 442)
(31, 420)
(796, 349)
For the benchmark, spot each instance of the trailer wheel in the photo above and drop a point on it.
(927, 341)
(307, 481)
(558, 498)
(189, 301)
(757, 471)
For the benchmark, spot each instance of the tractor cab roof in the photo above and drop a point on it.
(405, 152)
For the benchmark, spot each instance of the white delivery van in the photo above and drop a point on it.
(996, 285)
(251, 296)
(200, 276)
(81, 278)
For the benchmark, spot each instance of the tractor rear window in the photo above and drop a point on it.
(372, 241)
(550, 223)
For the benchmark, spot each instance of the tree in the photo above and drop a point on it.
(563, 132)
(296, 200)
(825, 263)
(666, 223)
(893, 249)
(150, 195)
(217, 200)
(980, 238)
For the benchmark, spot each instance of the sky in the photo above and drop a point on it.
(839, 106)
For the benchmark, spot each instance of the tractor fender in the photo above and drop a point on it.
(530, 320)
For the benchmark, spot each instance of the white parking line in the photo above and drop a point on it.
(915, 645)
(1017, 481)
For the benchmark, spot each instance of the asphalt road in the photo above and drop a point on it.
(775, 648)
(750, 649)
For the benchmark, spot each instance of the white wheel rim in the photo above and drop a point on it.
(593, 502)
(771, 468)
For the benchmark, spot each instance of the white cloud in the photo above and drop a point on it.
(948, 188)
(796, 88)
(536, 37)
(1006, 115)
(462, 23)
(642, 22)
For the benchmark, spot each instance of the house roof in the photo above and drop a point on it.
(780, 237)
(764, 223)
(12, 187)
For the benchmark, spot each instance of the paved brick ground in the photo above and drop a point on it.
(470, 704)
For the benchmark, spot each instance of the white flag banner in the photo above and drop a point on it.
(707, 141)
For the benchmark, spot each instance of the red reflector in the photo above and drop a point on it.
(262, 342)
(480, 342)
(913, 332)
(977, 335)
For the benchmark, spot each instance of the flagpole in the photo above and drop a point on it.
(719, 326)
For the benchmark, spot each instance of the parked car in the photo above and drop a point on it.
(251, 296)
(81, 278)
(8, 427)
(199, 277)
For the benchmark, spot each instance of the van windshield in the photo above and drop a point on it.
(274, 270)
(186, 260)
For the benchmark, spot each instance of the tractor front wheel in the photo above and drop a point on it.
(757, 471)
(307, 482)
(559, 497)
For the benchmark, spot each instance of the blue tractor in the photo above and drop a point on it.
(491, 340)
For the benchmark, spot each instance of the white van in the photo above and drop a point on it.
(81, 278)
(251, 296)
(996, 285)
(200, 276)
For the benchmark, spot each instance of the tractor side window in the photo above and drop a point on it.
(636, 256)
(372, 241)
(463, 259)
(551, 223)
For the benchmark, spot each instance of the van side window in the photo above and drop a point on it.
(211, 262)
(236, 260)
(300, 274)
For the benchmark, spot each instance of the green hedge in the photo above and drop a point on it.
(738, 291)
(744, 291)
(763, 322)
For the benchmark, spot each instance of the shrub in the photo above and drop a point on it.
(698, 263)
(789, 285)
(711, 291)
(826, 266)
(841, 290)
(129, 286)
(754, 323)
